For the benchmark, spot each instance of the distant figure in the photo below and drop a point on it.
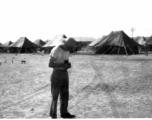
(145, 47)
(59, 61)
(23, 61)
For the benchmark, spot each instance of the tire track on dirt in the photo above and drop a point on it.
(105, 88)
(27, 97)
(86, 94)
(108, 91)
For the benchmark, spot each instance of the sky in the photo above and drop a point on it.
(44, 19)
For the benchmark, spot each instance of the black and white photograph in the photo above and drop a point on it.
(75, 59)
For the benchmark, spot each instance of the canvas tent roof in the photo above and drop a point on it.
(24, 45)
(93, 43)
(39, 42)
(57, 40)
(117, 42)
(8, 43)
(140, 40)
(23, 42)
(1, 45)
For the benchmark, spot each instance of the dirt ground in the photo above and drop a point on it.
(101, 86)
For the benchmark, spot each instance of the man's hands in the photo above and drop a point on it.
(67, 65)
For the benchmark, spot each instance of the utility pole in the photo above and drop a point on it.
(132, 30)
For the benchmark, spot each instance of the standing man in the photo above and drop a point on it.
(59, 61)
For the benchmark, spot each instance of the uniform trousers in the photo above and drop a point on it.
(59, 86)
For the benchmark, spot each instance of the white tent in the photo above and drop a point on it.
(56, 41)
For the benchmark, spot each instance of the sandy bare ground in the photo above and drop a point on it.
(100, 86)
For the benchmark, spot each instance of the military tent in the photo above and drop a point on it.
(140, 40)
(117, 42)
(56, 41)
(23, 45)
(8, 43)
(39, 42)
(1, 45)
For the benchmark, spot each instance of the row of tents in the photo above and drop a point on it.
(24, 45)
(116, 42)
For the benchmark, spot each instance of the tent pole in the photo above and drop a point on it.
(112, 49)
(125, 50)
(19, 50)
(107, 50)
(31, 49)
(118, 50)
(15, 50)
(135, 50)
(131, 50)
